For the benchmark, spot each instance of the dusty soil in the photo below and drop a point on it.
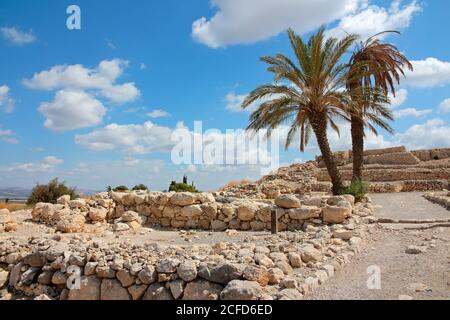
(419, 276)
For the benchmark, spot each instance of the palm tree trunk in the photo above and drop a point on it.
(357, 130)
(320, 130)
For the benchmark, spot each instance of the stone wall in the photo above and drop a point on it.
(442, 198)
(283, 266)
(433, 154)
(7, 222)
(191, 210)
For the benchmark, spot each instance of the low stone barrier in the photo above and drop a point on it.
(442, 198)
(7, 222)
(192, 210)
(283, 266)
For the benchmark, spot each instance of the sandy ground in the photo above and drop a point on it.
(418, 276)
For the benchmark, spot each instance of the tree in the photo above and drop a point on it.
(314, 98)
(50, 192)
(182, 186)
(374, 68)
(120, 189)
(140, 187)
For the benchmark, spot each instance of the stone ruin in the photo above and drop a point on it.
(387, 170)
(326, 232)
(132, 210)
(7, 221)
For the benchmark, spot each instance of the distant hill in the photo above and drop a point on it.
(13, 193)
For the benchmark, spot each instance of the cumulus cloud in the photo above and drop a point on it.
(445, 105)
(248, 21)
(131, 138)
(434, 133)
(101, 80)
(6, 102)
(158, 113)
(47, 164)
(17, 36)
(411, 112)
(72, 109)
(427, 73)
(234, 102)
(374, 19)
(400, 97)
(7, 136)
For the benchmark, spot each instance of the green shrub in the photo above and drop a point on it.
(50, 192)
(140, 187)
(183, 186)
(120, 189)
(358, 189)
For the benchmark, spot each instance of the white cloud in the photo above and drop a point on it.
(427, 73)
(131, 138)
(110, 44)
(17, 36)
(72, 109)
(445, 105)
(6, 102)
(102, 80)
(248, 21)
(158, 113)
(374, 19)
(234, 102)
(142, 66)
(411, 112)
(434, 133)
(47, 164)
(400, 97)
(7, 136)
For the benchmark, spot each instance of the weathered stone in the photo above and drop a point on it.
(89, 289)
(218, 225)
(304, 213)
(105, 272)
(275, 276)
(247, 211)
(130, 216)
(59, 278)
(288, 201)
(310, 254)
(89, 268)
(343, 234)
(121, 226)
(137, 291)
(295, 260)
(241, 290)
(284, 266)
(36, 259)
(226, 272)
(44, 278)
(112, 290)
(183, 199)
(157, 291)
(5, 216)
(3, 278)
(192, 211)
(289, 294)
(147, 275)
(167, 265)
(333, 214)
(202, 290)
(176, 288)
(98, 214)
(64, 200)
(256, 273)
(125, 278)
(77, 203)
(187, 270)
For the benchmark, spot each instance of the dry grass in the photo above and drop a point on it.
(11, 206)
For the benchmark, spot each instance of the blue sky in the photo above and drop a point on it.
(75, 103)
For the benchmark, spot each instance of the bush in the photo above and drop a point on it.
(50, 192)
(183, 186)
(358, 189)
(120, 189)
(140, 187)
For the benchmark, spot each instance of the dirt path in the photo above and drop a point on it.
(418, 276)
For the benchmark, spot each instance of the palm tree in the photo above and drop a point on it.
(314, 98)
(374, 69)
